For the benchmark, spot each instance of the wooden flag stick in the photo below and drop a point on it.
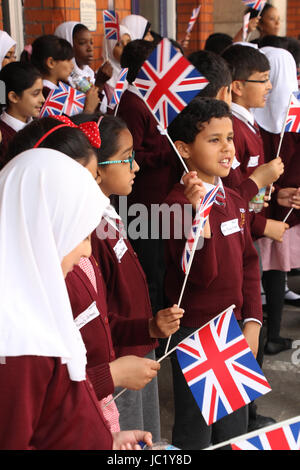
(281, 139)
(287, 216)
(169, 352)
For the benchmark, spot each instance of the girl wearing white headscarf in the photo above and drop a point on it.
(7, 49)
(138, 27)
(279, 258)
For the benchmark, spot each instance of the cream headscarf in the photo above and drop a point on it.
(6, 43)
(49, 204)
(136, 24)
(283, 76)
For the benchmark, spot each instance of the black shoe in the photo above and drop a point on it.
(277, 345)
(260, 422)
(295, 302)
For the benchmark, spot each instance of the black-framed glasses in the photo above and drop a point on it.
(128, 160)
(256, 81)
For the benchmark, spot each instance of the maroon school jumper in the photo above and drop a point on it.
(290, 151)
(42, 409)
(224, 272)
(7, 134)
(160, 168)
(249, 152)
(127, 295)
(95, 330)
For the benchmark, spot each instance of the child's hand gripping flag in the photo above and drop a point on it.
(220, 369)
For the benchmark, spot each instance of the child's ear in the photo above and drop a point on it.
(13, 97)
(224, 94)
(182, 148)
(50, 63)
(237, 87)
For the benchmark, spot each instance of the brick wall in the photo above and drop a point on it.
(43, 16)
(204, 26)
(293, 18)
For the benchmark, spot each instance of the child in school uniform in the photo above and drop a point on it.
(7, 49)
(138, 27)
(203, 135)
(47, 402)
(278, 259)
(159, 166)
(127, 289)
(83, 76)
(24, 100)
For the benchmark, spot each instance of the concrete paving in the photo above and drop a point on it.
(281, 370)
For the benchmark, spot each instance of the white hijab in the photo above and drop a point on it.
(49, 204)
(136, 24)
(6, 43)
(109, 48)
(283, 76)
(65, 31)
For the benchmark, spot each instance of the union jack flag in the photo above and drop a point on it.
(119, 88)
(55, 101)
(111, 25)
(256, 5)
(63, 100)
(220, 368)
(193, 19)
(293, 119)
(246, 26)
(284, 436)
(214, 195)
(168, 82)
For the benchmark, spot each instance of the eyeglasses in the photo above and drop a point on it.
(256, 81)
(128, 160)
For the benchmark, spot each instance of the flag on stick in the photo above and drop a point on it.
(119, 88)
(63, 100)
(280, 436)
(246, 26)
(220, 369)
(111, 25)
(193, 19)
(256, 4)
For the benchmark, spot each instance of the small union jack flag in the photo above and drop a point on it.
(111, 25)
(55, 101)
(214, 195)
(193, 19)
(283, 436)
(119, 88)
(168, 82)
(220, 368)
(256, 5)
(246, 26)
(63, 100)
(293, 119)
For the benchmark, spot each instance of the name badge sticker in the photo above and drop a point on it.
(87, 315)
(253, 161)
(230, 227)
(120, 249)
(235, 163)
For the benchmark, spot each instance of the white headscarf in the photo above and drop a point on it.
(109, 48)
(283, 76)
(136, 24)
(49, 204)
(6, 43)
(65, 31)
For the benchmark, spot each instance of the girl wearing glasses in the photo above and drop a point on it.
(126, 283)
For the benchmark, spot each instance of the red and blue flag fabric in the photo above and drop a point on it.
(119, 88)
(217, 195)
(283, 436)
(63, 100)
(220, 369)
(256, 4)
(111, 25)
(167, 81)
(193, 19)
(293, 118)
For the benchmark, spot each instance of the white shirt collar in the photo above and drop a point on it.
(48, 84)
(12, 122)
(242, 113)
(134, 90)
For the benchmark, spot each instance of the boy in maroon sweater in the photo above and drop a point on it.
(225, 270)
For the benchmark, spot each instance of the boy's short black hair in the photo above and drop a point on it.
(217, 42)
(191, 120)
(214, 68)
(243, 61)
(134, 55)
